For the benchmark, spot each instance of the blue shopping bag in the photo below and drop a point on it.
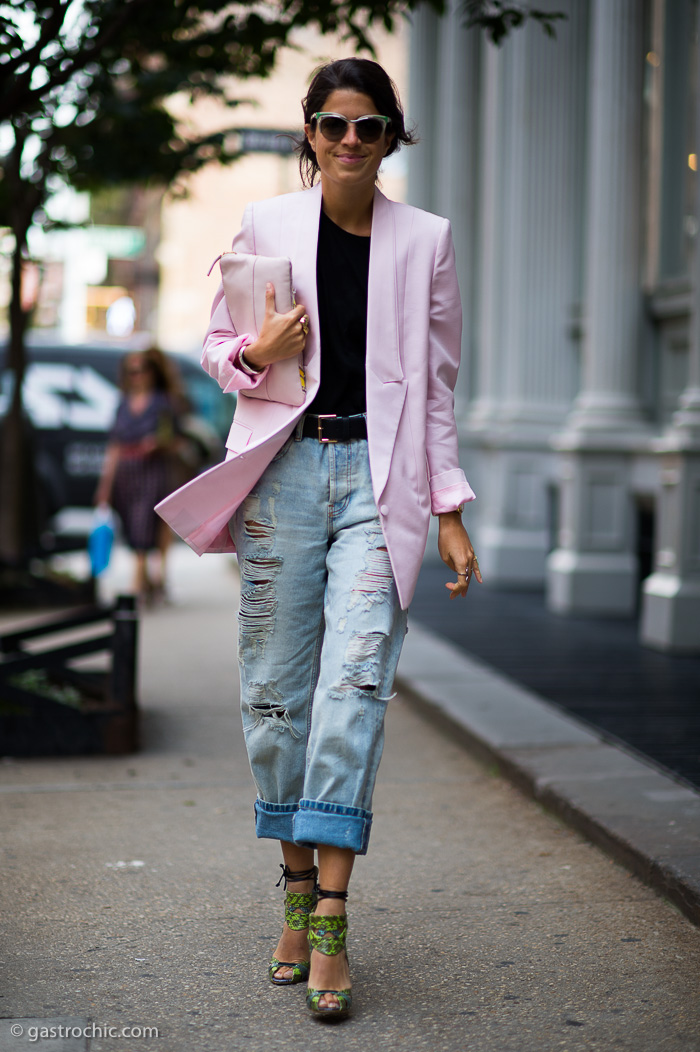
(101, 539)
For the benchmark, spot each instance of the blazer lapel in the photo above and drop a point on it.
(386, 384)
(302, 228)
(383, 349)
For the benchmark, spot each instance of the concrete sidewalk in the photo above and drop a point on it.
(641, 814)
(135, 894)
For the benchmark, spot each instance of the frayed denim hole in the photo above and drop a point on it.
(374, 581)
(258, 606)
(265, 704)
(259, 531)
(259, 524)
(363, 647)
(360, 666)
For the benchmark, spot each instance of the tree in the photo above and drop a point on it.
(499, 17)
(84, 90)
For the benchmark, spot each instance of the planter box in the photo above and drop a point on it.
(48, 708)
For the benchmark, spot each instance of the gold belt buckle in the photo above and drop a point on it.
(326, 416)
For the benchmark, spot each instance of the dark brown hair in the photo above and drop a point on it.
(367, 78)
(155, 361)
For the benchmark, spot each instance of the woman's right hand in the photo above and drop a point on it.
(281, 335)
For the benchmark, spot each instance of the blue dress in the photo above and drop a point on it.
(141, 479)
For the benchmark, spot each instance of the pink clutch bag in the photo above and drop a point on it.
(244, 277)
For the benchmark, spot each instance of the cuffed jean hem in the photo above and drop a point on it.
(317, 822)
(275, 821)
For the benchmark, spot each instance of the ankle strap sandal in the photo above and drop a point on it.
(332, 894)
(293, 878)
(328, 935)
(298, 905)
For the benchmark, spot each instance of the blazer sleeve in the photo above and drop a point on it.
(222, 344)
(448, 485)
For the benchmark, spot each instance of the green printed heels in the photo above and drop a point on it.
(328, 935)
(297, 909)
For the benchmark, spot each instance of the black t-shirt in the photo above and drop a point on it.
(342, 270)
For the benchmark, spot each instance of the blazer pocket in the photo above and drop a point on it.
(238, 437)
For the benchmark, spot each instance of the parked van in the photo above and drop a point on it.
(70, 397)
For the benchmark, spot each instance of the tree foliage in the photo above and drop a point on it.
(499, 17)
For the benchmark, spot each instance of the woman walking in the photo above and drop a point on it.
(136, 469)
(328, 503)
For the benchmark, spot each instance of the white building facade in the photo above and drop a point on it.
(568, 168)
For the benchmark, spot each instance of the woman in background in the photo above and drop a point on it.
(136, 472)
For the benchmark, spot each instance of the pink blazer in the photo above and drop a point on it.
(414, 323)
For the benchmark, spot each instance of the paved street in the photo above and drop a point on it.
(134, 892)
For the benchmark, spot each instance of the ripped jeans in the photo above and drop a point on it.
(320, 634)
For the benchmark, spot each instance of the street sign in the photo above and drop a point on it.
(118, 242)
(266, 140)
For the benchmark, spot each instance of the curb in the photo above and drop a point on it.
(635, 811)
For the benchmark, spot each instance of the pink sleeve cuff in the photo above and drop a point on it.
(449, 490)
(239, 379)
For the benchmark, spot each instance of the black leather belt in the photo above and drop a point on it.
(327, 428)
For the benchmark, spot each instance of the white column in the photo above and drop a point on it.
(530, 244)
(421, 107)
(488, 281)
(543, 206)
(594, 569)
(613, 297)
(671, 595)
(456, 120)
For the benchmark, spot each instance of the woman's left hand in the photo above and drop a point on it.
(456, 551)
